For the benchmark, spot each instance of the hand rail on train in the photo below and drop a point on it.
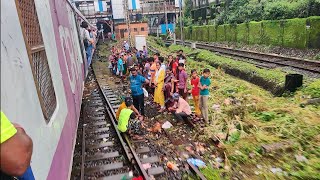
(76, 10)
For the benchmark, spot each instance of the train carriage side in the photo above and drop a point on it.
(43, 69)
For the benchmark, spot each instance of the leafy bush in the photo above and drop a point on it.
(243, 33)
(313, 89)
(230, 32)
(239, 11)
(212, 33)
(255, 31)
(288, 33)
(294, 33)
(314, 32)
(221, 33)
(272, 33)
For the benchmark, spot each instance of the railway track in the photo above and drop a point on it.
(267, 60)
(101, 152)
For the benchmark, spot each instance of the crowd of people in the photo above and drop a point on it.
(164, 79)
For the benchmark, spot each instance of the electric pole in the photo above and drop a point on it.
(181, 24)
(127, 19)
(166, 16)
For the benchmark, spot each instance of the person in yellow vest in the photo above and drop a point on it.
(128, 102)
(16, 149)
(128, 123)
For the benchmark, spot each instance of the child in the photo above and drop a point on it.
(110, 63)
(204, 93)
(182, 84)
(120, 66)
(195, 91)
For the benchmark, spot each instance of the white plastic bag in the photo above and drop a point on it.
(166, 125)
(145, 92)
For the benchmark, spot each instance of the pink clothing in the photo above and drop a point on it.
(182, 79)
(183, 106)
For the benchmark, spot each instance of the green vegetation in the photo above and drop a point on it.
(242, 35)
(272, 33)
(295, 33)
(239, 11)
(272, 80)
(314, 32)
(245, 117)
(313, 89)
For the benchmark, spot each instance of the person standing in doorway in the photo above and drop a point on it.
(204, 94)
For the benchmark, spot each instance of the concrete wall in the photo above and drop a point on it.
(53, 142)
(133, 27)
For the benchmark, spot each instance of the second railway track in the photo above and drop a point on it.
(268, 59)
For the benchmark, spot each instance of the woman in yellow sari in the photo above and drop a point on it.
(159, 82)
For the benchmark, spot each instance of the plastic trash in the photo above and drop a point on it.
(166, 125)
(145, 92)
(196, 162)
(172, 166)
(276, 170)
(146, 166)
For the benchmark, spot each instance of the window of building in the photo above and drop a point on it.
(37, 56)
(142, 29)
(135, 29)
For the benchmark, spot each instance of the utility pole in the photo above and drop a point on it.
(166, 16)
(181, 24)
(127, 19)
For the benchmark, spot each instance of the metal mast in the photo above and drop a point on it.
(127, 19)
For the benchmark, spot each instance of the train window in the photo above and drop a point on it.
(135, 29)
(142, 29)
(37, 56)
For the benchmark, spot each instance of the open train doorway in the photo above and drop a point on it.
(104, 29)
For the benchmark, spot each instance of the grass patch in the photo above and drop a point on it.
(246, 117)
(272, 80)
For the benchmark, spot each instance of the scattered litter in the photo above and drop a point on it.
(301, 158)
(196, 162)
(172, 166)
(276, 170)
(144, 156)
(227, 168)
(219, 159)
(156, 127)
(216, 107)
(189, 149)
(256, 172)
(105, 139)
(227, 102)
(200, 147)
(167, 125)
(130, 174)
(146, 166)
(145, 92)
(259, 166)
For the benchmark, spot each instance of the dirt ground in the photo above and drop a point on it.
(175, 144)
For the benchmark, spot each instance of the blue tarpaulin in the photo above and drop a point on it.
(163, 28)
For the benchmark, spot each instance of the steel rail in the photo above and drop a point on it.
(303, 64)
(112, 116)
